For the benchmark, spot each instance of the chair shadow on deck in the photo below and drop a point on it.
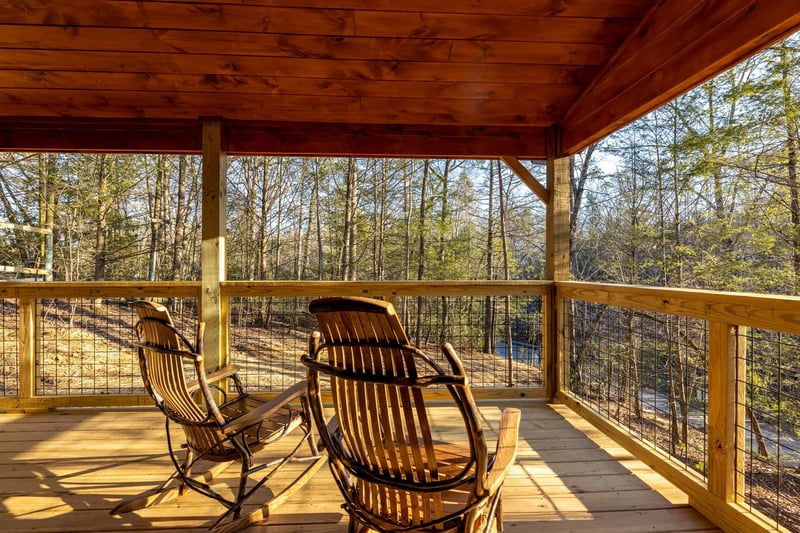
(68, 479)
(54, 480)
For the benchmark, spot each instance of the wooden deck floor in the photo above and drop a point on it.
(63, 471)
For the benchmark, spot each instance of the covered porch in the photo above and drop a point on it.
(510, 80)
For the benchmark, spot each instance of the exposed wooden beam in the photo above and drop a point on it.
(26, 134)
(678, 45)
(256, 137)
(385, 140)
(528, 179)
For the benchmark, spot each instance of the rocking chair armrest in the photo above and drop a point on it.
(213, 377)
(506, 452)
(266, 409)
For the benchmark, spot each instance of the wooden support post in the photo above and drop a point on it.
(213, 310)
(557, 232)
(27, 347)
(726, 407)
(557, 269)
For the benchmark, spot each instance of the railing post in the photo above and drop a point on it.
(26, 348)
(213, 307)
(726, 406)
(557, 266)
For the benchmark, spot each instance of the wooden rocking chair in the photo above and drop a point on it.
(393, 473)
(233, 430)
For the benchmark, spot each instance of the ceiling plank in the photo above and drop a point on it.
(292, 108)
(215, 64)
(70, 15)
(223, 86)
(64, 41)
(552, 8)
(145, 40)
(681, 44)
(492, 27)
(73, 15)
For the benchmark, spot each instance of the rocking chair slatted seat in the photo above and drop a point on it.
(223, 433)
(382, 444)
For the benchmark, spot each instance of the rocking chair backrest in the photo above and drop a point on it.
(163, 354)
(387, 447)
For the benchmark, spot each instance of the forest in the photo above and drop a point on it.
(702, 193)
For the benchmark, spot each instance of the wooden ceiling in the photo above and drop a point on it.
(461, 78)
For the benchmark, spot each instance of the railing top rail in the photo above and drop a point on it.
(99, 289)
(773, 312)
(386, 288)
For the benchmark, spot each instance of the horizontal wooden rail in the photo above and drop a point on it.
(384, 288)
(99, 289)
(779, 313)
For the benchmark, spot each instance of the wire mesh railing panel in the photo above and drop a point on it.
(498, 346)
(645, 371)
(771, 426)
(85, 346)
(9, 348)
(269, 334)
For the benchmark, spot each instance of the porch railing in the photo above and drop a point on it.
(71, 344)
(705, 386)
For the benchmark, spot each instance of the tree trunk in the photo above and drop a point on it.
(278, 195)
(443, 221)
(156, 217)
(47, 206)
(421, 235)
(318, 221)
(489, 317)
(347, 266)
(101, 221)
(181, 215)
(506, 272)
(791, 115)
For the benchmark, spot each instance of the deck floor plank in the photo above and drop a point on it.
(63, 471)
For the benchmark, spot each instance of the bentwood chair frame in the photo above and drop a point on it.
(394, 475)
(220, 433)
